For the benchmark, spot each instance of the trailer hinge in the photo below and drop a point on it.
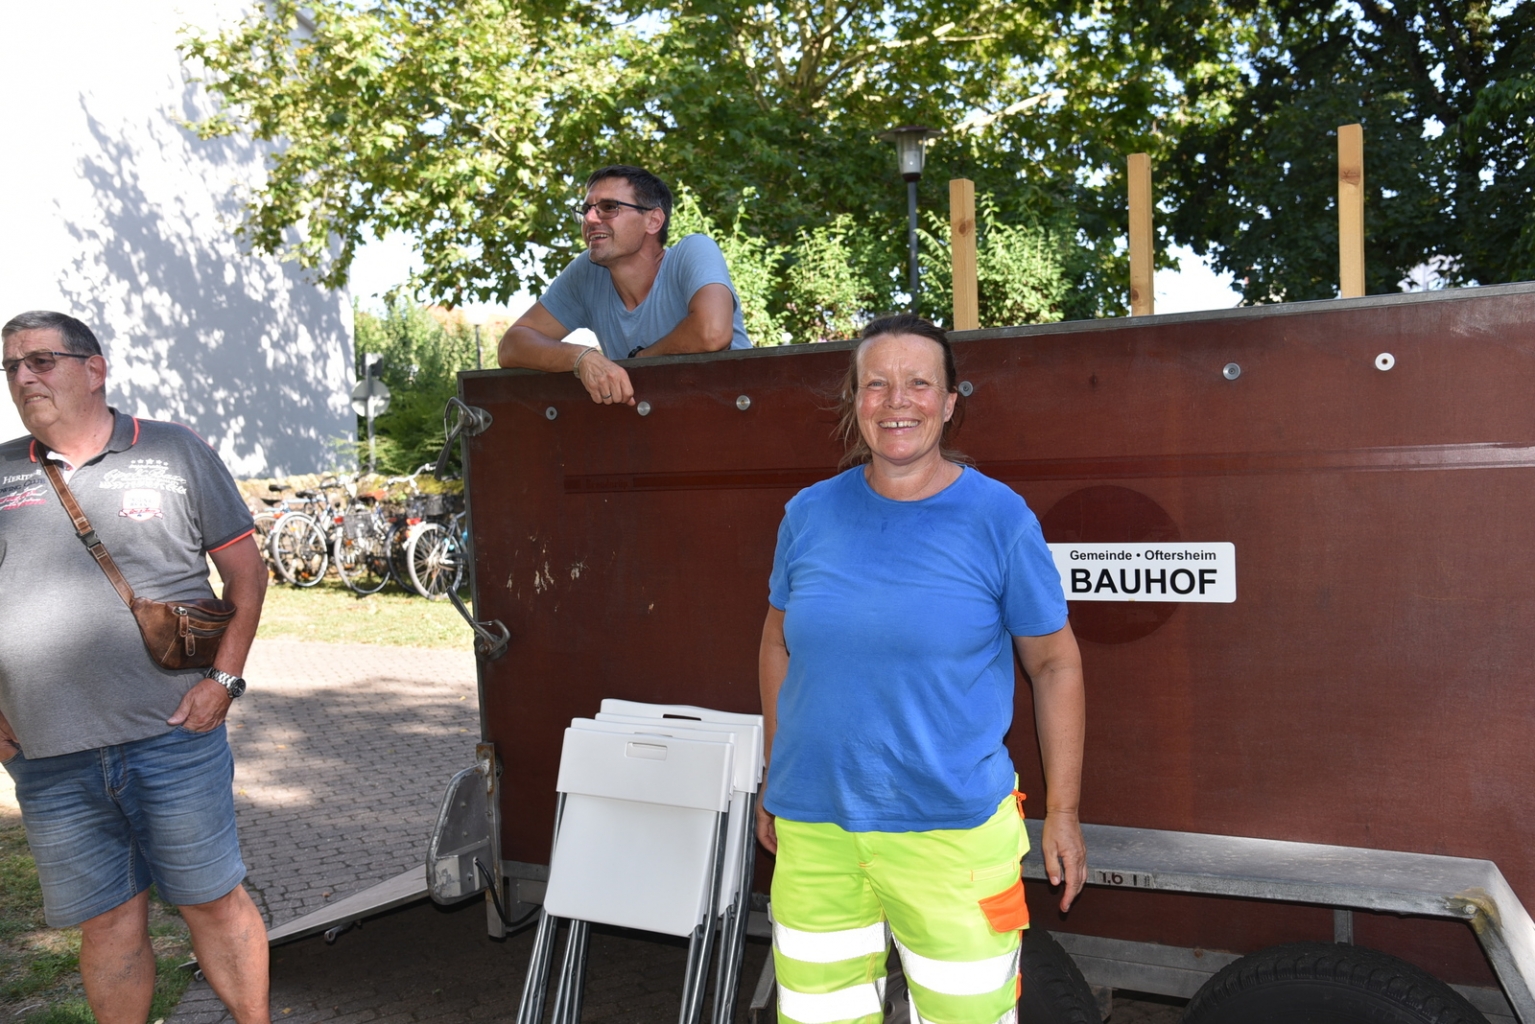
(470, 421)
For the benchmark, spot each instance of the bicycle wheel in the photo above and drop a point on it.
(435, 561)
(265, 521)
(394, 553)
(361, 562)
(299, 548)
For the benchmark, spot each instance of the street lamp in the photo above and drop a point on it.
(477, 316)
(910, 151)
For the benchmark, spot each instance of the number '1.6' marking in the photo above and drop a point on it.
(1125, 879)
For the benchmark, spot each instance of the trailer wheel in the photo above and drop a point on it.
(1054, 991)
(1323, 983)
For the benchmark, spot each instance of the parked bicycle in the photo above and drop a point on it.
(436, 557)
(300, 541)
(360, 550)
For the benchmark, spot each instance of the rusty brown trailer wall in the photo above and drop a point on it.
(1371, 685)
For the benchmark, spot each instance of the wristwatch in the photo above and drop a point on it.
(636, 350)
(234, 685)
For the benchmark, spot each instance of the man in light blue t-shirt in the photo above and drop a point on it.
(639, 297)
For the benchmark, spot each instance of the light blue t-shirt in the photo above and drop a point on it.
(898, 617)
(583, 296)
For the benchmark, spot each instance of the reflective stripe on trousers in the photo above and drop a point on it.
(838, 895)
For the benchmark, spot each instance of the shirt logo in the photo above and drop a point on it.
(37, 494)
(140, 504)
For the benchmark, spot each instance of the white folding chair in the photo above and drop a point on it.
(741, 844)
(664, 802)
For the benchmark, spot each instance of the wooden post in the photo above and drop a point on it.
(1142, 298)
(1350, 211)
(967, 305)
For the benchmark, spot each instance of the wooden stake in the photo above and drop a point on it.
(1350, 211)
(1142, 298)
(967, 306)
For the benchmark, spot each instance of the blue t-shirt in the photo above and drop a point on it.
(898, 617)
(583, 296)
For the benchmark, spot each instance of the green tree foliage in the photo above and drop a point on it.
(472, 122)
(1444, 91)
(1020, 269)
(754, 264)
(422, 355)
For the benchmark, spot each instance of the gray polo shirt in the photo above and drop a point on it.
(74, 674)
(583, 296)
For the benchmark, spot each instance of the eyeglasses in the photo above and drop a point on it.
(39, 362)
(606, 209)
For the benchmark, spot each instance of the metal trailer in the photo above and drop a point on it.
(1341, 754)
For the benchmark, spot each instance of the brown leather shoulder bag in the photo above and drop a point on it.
(177, 634)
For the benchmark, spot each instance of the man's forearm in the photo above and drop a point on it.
(236, 645)
(526, 348)
(688, 336)
(708, 327)
(245, 580)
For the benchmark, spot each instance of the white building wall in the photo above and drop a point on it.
(113, 212)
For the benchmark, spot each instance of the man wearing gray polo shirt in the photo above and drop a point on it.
(122, 768)
(639, 297)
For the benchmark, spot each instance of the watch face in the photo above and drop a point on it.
(235, 686)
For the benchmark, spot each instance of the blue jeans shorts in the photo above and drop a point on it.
(105, 823)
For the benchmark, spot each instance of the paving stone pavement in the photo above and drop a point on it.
(342, 753)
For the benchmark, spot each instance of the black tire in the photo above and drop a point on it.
(433, 558)
(265, 520)
(300, 550)
(395, 542)
(1325, 983)
(1054, 991)
(360, 562)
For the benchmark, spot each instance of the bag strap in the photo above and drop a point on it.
(86, 534)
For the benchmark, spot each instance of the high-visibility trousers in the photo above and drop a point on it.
(952, 897)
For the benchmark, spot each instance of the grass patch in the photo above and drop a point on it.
(40, 966)
(330, 613)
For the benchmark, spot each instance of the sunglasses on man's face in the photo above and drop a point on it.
(38, 362)
(606, 209)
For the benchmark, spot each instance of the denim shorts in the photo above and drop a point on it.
(105, 823)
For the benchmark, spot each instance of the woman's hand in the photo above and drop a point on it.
(767, 830)
(1065, 854)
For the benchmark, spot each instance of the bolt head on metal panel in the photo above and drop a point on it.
(643, 408)
(1231, 371)
(551, 412)
(1385, 361)
(743, 402)
(966, 388)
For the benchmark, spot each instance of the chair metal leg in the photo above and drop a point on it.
(733, 928)
(535, 987)
(571, 993)
(703, 936)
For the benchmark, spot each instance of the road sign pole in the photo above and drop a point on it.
(370, 399)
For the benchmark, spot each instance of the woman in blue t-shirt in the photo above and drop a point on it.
(900, 590)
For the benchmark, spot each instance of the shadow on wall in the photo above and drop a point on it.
(240, 348)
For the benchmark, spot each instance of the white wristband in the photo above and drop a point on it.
(576, 366)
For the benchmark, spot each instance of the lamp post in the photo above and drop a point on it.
(477, 317)
(910, 152)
